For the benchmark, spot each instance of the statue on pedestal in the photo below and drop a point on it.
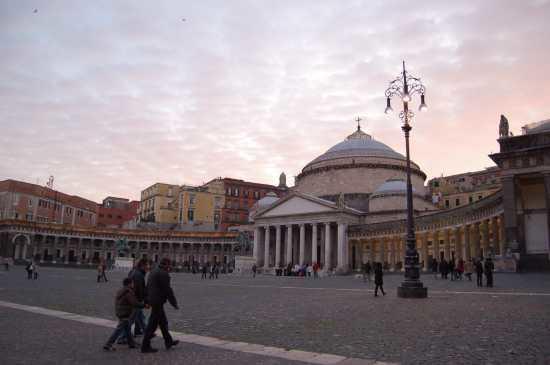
(503, 127)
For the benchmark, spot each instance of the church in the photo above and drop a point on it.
(348, 206)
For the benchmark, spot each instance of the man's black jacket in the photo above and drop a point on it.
(159, 290)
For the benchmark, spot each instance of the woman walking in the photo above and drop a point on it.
(378, 279)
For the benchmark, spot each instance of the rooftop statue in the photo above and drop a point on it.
(503, 127)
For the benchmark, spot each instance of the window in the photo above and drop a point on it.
(29, 217)
(192, 198)
(109, 216)
(457, 202)
(30, 202)
(228, 191)
(236, 192)
(217, 202)
(436, 184)
(68, 211)
(190, 215)
(101, 215)
(170, 192)
(479, 197)
(256, 194)
(446, 203)
(119, 217)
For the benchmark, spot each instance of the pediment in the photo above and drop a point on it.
(296, 205)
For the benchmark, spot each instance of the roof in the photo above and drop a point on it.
(358, 144)
(392, 186)
(538, 127)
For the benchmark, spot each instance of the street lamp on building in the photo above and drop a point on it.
(405, 87)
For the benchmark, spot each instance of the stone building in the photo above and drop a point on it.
(34, 203)
(349, 205)
(460, 189)
(200, 208)
(240, 197)
(115, 212)
(158, 204)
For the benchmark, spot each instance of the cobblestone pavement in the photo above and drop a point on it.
(457, 324)
(46, 340)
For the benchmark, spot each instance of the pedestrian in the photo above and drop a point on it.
(125, 303)
(443, 269)
(138, 318)
(217, 271)
(212, 269)
(29, 269)
(460, 269)
(204, 271)
(451, 269)
(489, 267)
(254, 268)
(35, 271)
(316, 270)
(158, 292)
(309, 270)
(378, 279)
(435, 267)
(101, 273)
(479, 272)
(468, 269)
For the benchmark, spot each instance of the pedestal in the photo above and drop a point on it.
(412, 290)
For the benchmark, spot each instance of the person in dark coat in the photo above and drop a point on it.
(489, 267)
(479, 272)
(435, 267)
(125, 304)
(378, 279)
(159, 292)
(138, 277)
(204, 270)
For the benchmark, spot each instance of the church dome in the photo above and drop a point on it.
(358, 144)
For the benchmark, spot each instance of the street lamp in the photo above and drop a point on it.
(405, 86)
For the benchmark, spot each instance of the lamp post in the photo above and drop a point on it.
(404, 87)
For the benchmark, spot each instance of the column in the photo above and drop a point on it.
(467, 247)
(342, 248)
(277, 246)
(501, 237)
(17, 251)
(266, 247)
(328, 253)
(372, 251)
(436, 246)
(314, 257)
(546, 178)
(447, 244)
(475, 240)
(256, 248)
(24, 255)
(425, 254)
(392, 254)
(495, 247)
(302, 244)
(510, 214)
(484, 230)
(458, 243)
(288, 244)
(382, 251)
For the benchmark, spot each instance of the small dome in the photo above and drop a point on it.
(358, 144)
(392, 186)
(267, 200)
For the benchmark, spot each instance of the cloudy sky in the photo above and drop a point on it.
(112, 96)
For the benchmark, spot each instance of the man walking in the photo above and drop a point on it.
(137, 275)
(158, 292)
(479, 272)
(378, 279)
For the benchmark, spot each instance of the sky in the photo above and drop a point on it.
(110, 97)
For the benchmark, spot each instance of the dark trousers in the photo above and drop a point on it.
(479, 278)
(489, 280)
(29, 274)
(381, 289)
(102, 276)
(123, 327)
(156, 319)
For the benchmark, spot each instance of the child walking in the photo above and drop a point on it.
(125, 303)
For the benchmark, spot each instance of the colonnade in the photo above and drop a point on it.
(481, 238)
(80, 250)
(281, 245)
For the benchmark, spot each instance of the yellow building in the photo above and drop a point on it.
(200, 206)
(158, 204)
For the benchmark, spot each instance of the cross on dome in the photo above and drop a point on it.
(359, 134)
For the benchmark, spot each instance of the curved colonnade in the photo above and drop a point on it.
(75, 245)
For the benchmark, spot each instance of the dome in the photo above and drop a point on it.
(358, 144)
(392, 186)
(267, 200)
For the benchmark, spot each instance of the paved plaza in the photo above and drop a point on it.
(458, 324)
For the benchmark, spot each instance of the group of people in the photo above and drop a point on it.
(465, 268)
(32, 270)
(138, 294)
(213, 269)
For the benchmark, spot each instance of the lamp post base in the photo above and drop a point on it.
(412, 290)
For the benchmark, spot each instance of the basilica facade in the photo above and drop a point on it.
(348, 206)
